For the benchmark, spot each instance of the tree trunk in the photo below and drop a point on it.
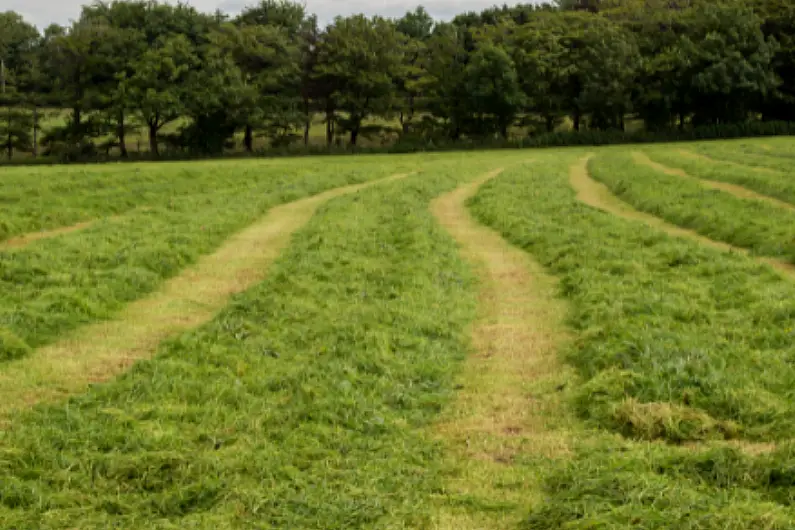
(329, 126)
(248, 139)
(35, 131)
(576, 118)
(621, 123)
(307, 126)
(153, 140)
(121, 132)
(681, 121)
(550, 123)
(354, 135)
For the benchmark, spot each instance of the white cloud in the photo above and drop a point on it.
(44, 12)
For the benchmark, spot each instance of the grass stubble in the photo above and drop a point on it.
(506, 424)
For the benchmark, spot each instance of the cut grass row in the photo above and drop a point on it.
(507, 422)
(55, 285)
(301, 405)
(676, 342)
(756, 225)
(776, 154)
(726, 164)
(33, 199)
(101, 351)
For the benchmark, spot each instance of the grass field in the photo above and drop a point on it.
(547, 339)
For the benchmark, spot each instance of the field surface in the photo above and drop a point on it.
(536, 339)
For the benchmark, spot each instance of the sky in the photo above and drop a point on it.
(44, 12)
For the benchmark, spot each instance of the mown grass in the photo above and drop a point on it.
(727, 163)
(54, 285)
(48, 197)
(771, 153)
(302, 405)
(756, 225)
(675, 342)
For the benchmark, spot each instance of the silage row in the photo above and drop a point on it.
(728, 162)
(302, 405)
(759, 226)
(677, 343)
(55, 285)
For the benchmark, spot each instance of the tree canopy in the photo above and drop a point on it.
(270, 71)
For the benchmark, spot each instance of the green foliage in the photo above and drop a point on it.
(511, 71)
(493, 88)
(360, 58)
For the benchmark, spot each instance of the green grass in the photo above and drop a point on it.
(54, 285)
(761, 173)
(675, 342)
(770, 153)
(764, 229)
(302, 405)
(311, 401)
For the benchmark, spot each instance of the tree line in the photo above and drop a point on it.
(270, 71)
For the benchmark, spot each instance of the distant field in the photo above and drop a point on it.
(567, 338)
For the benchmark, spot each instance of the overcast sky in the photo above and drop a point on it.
(44, 12)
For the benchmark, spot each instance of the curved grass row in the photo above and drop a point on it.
(55, 285)
(727, 163)
(43, 198)
(764, 229)
(302, 405)
(770, 153)
(675, 342)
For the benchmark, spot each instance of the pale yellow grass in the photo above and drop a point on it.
(733, 189)
(599, 196)
(101, 351)
(506, 422)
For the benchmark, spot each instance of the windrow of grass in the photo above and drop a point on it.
(675, 342)
(756, 225)
(727, 163)
(768, 153)
(54, 285)
(301, 405)
(43, 198)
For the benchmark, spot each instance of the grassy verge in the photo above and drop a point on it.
(300, 406)
(764, 229)
(676, 343)
(55, 285)
(728, 164)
